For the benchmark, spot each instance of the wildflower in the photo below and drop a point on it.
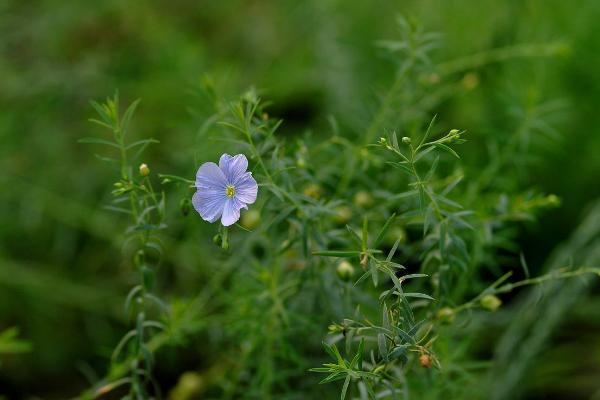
(224, 189)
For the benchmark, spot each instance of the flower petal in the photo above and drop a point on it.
(233, 167)
(231, 211)
(246, 188)
(209, 203)
(210, 176)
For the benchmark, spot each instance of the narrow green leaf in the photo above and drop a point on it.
(365, 234)
(337, 253)
(128, 115)
(345, 387)
(447, 148)
(524, 265)
(92, 140)
(384, 230)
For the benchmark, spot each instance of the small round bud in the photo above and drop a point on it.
(301, 162)
(190, 386)
(382, 140)
(491, 302)
(217, 239)
(342, 214)
(345, 271)
(446, 315)
(250, 219)
(313, 190)
(425, 360)
(553, 200)
(470, 81)
(144, 170)
(363, 199)
(454, 132)
(393, 234)
(406, 140)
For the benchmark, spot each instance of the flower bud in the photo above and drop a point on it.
(345, 271)
(393, 234)
(553, 200)
(491, 302)
(190, 386)
(406, 140)
(470, 81)
(217, 239)
(425, 360)
(313, 190)
(144, 170)
(446, 315)
(250, 219)
(342, 214)
(363, 199)
(454, 132)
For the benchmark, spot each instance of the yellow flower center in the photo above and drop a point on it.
(230, 191)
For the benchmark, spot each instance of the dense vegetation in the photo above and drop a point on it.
(427, 222)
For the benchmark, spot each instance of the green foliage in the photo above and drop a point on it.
(412, 187)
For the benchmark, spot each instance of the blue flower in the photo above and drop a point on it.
(224, 189)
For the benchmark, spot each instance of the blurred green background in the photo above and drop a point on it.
(60, 276)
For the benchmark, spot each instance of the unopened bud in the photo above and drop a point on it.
(144, 170)
(491, 302)
(406, 140)
(313, 190)
(553, 200)
(446, 315)
(470, 81)
(345, 271)
(342, 214)
(250, 219)
(363, 199)
(425, 360)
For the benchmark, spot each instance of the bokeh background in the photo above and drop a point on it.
(61, 280)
